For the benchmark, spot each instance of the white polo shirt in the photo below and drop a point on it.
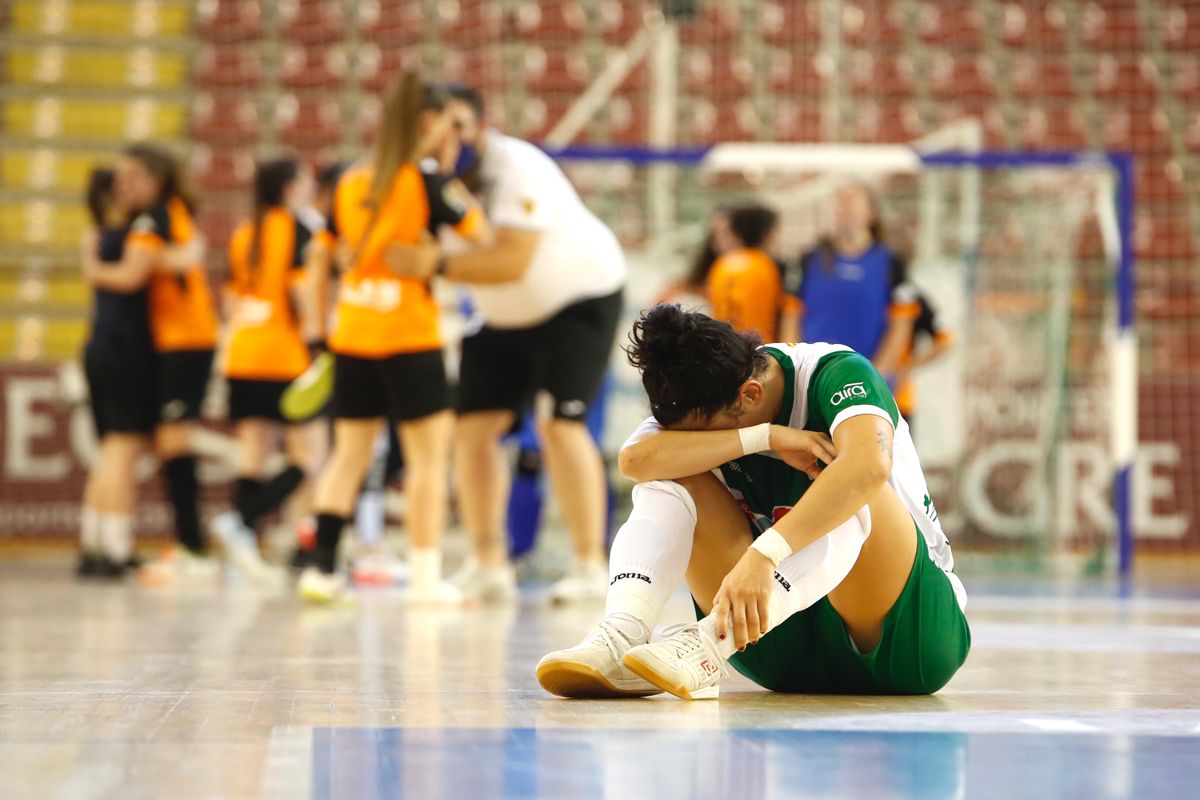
(577, 257)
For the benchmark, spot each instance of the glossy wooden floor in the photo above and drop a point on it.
(126, 692)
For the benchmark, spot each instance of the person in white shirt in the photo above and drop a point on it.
(549, 292)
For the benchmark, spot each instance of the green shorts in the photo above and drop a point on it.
(925, 640)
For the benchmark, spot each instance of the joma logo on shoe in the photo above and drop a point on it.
(625, 575)
(708, 667)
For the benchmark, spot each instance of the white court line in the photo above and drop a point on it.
(1060, 725)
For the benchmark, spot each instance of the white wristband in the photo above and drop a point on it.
(755, 439)
(772, 545)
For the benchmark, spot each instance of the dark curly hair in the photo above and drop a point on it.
(691, 364)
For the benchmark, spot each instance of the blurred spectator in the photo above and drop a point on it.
(854, 288)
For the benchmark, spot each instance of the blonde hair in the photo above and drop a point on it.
(400, 133)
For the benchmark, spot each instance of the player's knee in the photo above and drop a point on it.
(652, 497)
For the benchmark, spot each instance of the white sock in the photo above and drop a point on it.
(89, 530)
(116, 537)
(650, 554)
(807, 575)
(426, 566)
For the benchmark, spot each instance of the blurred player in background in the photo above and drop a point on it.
(386, 340)
(745, 284)
(854, 288)
(929, 342)
(183, 326)
(265, 352)
(718, 240)
(119, 363)
(549, 292)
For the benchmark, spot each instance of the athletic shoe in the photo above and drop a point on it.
(241, 549)
(320, 587)
(585, 583)
(593, 668)
(379, 569)
(309, 393)
(685, 663)
(485, 584)
(88, 565)
(180, 565)
(306, 542)
(437, 594)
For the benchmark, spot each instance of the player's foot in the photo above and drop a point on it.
(180, 565)
(306, 542)
(379, 569)
(440, 593)
(485, 584)
(88, 565)
(309, 393)
(585, 583)
(241, 549)
(320, 587)
(685, 663)
(593, 668)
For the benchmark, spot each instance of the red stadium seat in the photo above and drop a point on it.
(229, 21)
(1180, 23)
(1110, 27)
(228, 66)
(309, 123)
(393, 24)
(224, 169)
(315, 67)
(229, 118)
(313, 22)
(796, 23)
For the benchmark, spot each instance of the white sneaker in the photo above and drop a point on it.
(240, 546)
(485, 584)
(685, 663)
(320, 587)
(380, 569)
(585, 583)
(593, 668)
(441, 593)
(180, 565)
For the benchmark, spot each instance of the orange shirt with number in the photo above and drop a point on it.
(265, 342)
(378, 313)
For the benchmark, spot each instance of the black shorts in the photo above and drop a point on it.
(402, 387)
(122, 392)
(256, 399)
(182, 381)
(566, 356)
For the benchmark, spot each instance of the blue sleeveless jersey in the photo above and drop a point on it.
(849, 300)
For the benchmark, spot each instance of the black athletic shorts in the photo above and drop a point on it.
(256, 399)
(402, 387)
(182, 381)
(122, 392)
(566, 356)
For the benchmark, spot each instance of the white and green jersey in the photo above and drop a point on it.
(825, 385)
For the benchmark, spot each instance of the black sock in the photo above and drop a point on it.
(256, 498)
(244, 492)
(183, 491)
(329, 533)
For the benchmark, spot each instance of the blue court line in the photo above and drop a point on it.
(583, 763)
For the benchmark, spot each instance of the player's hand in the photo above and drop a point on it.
(741, 602)
(417, 261)
(802, 450)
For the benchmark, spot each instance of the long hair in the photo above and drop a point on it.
(828, 248)
(691, 364)
(99, 194)
(271, 180)
(165, 167)
(400, 134)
